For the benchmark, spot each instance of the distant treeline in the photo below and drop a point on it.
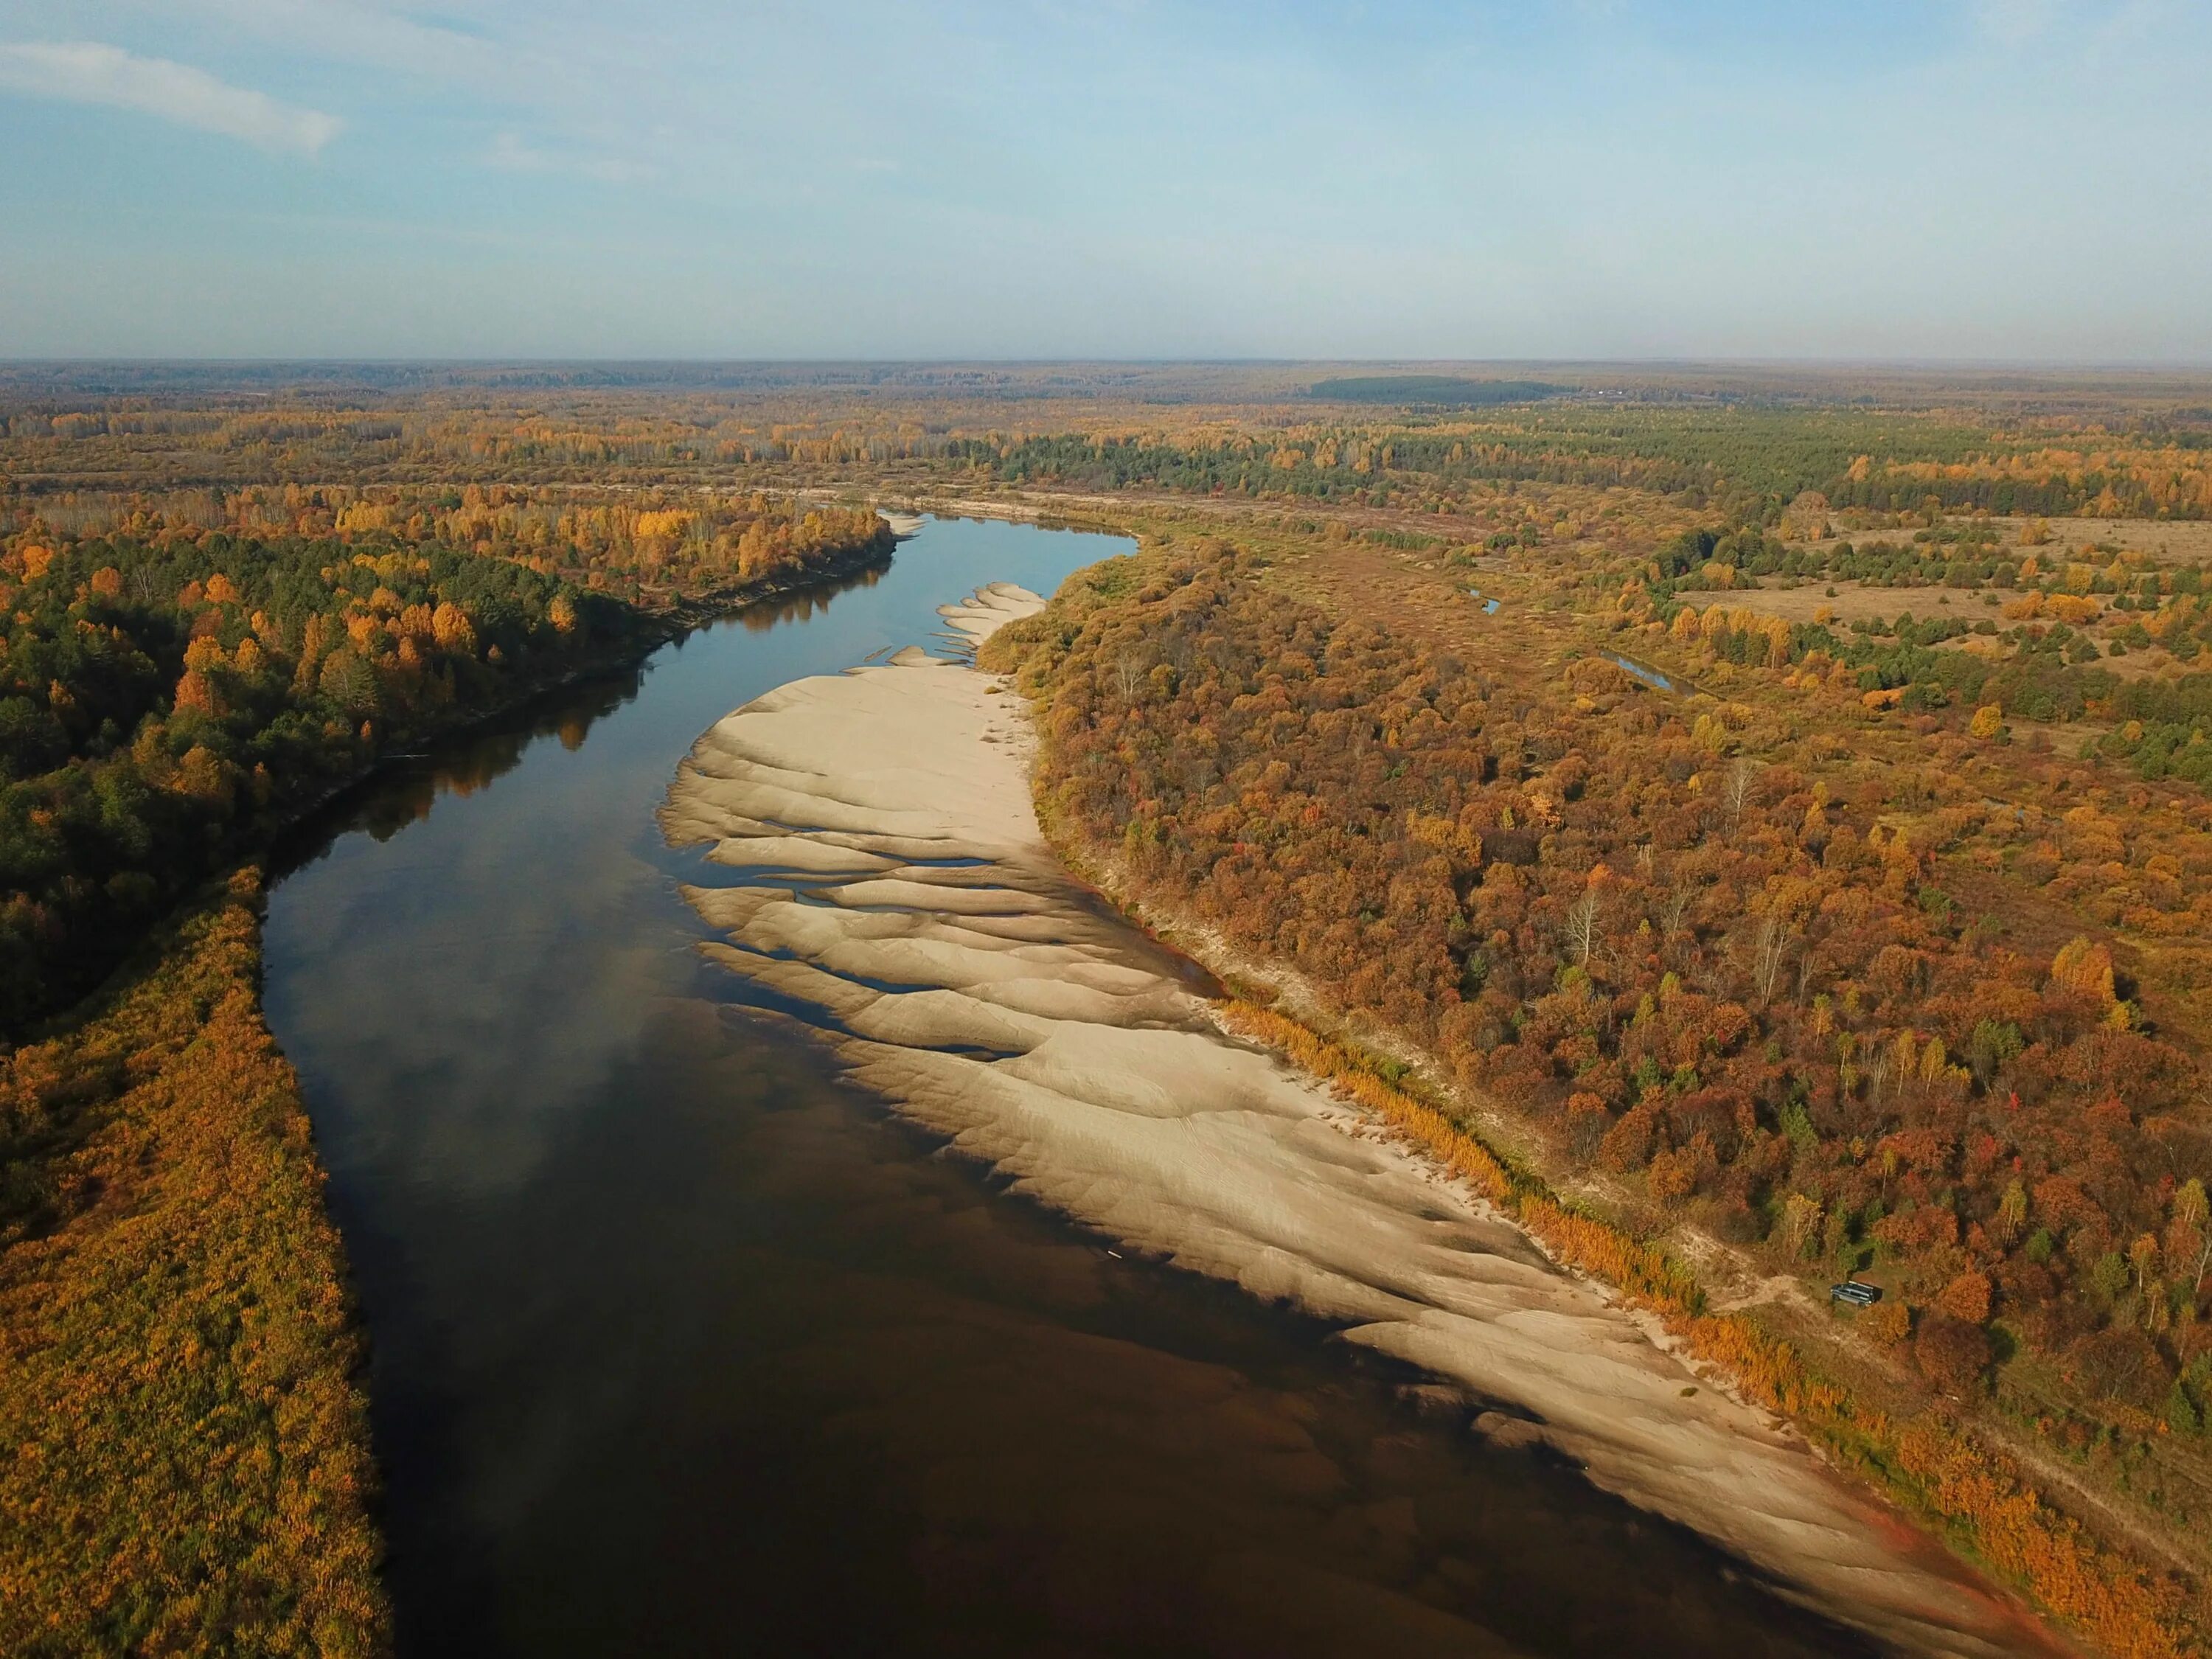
(1750, 465)
(1448, 390)
(1422, 441)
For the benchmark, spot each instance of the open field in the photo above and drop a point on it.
(1850, 602)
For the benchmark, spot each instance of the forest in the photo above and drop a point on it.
(181, 677)
(1741, 443)
(1711, 971)
(1750, 465)
(170, 692)
(1757, 825)
(1437, 391)
(1731, 984)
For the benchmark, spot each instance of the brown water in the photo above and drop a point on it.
(680, 1347)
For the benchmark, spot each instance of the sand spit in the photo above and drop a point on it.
(983, 612)
(888, 874)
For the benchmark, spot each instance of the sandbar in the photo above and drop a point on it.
(902, 891)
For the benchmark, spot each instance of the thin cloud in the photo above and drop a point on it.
(348, 31)
(2016, 22)
(511, 155)
(88, 72)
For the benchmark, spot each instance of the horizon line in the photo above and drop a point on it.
(2202, 365)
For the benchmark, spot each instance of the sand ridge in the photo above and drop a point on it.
(892, 879)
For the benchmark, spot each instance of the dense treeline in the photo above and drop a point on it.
(2152, 474)
(1713, 973)
(589, 437)
(169, 693)
(1952, 1480)
(167, 700)
(1966, 558)
(186, 1465)
(1378, 469)
(1754, 464)
(638, 546)
(1435, 390)
(643, 545)
(1747, 454)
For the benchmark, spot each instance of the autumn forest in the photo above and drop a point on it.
(1756, 827)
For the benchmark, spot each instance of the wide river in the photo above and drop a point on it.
(680, 1346)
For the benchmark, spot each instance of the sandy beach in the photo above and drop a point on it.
(886, 871)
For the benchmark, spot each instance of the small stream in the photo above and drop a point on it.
(682, 1347)
(1650, 676)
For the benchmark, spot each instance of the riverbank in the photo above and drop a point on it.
(1294, 789)
(651, 629)
(187, 1464)
(188, 1461)
(691, 611)
(908, 899)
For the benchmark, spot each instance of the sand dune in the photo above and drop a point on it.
(894, 881)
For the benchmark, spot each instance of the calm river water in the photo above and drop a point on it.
(681, 1346)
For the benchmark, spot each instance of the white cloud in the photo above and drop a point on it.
(344, 29)
(511, 155)
(87, 72)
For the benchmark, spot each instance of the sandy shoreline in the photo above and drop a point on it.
(904, 892)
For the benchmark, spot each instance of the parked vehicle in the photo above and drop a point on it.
(1858, 1295)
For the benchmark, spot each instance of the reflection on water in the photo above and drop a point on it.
(680, 1347)
(404, 793)
(1650, 676)
(805, 604)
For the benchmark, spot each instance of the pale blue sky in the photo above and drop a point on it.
(2007, 179)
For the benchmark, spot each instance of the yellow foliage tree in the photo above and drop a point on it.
(2085, 970)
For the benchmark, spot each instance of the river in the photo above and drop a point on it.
(680, 1345)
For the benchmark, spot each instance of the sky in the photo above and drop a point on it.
(1884, 180)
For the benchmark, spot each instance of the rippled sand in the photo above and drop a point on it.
(889, 878)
